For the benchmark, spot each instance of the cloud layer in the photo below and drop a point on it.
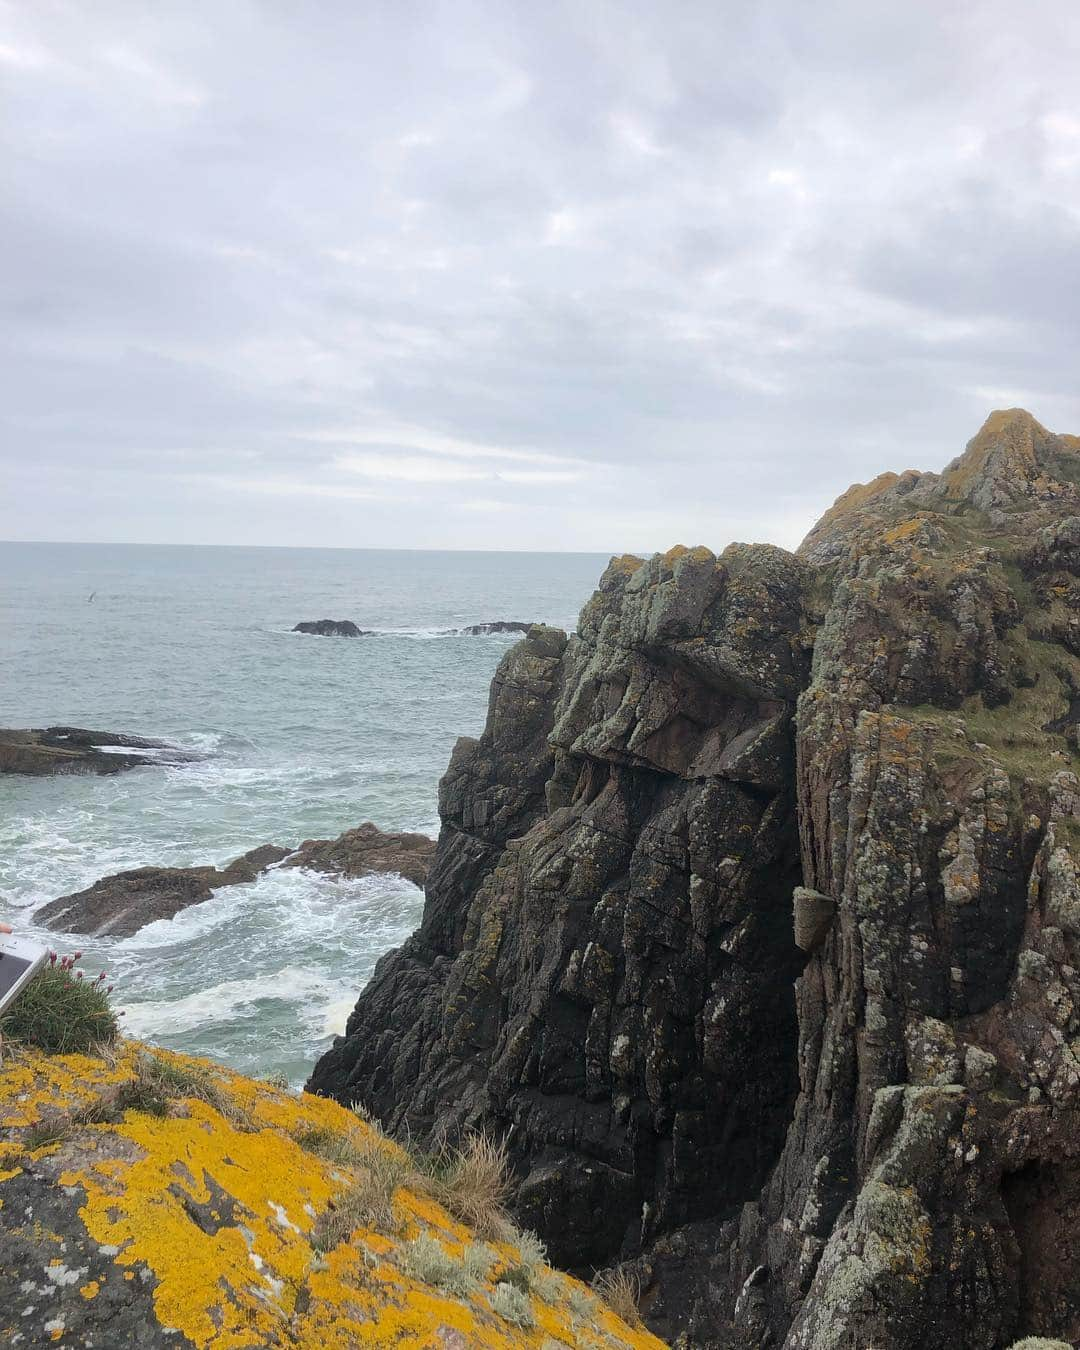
(505, 275)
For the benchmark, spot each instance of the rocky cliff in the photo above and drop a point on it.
(754, 923)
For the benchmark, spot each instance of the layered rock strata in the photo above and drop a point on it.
(754, 923)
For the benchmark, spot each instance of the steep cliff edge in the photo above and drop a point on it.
(870, 1137)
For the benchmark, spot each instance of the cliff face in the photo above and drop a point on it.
(870, 1137)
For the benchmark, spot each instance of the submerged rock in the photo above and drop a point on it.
(866, 1139)
(121, 904)
(331, 628)
(498, 626)
(150, 1200)
(58, 750)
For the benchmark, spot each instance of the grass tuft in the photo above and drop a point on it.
(424, 1258)
(583, 1305)
(157, 1082)
(61, 1012)
(620, 1291)
(46, 1133)
(369, 1201)
(479, 1260)
(509, 1303)
(473, 1182)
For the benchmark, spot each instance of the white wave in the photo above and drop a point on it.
(230, 1000)
(336, 1014)
(413, 634)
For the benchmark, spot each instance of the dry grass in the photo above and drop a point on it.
(620, 1291)
(368, 1202)
(473, 1182)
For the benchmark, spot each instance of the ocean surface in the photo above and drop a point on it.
(303, 737)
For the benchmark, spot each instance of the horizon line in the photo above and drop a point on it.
(319, 548)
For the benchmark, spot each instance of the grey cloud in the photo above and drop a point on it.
(726, 258)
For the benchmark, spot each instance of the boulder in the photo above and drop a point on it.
(331, 628)
(813, 915)
(40, 752)
(121, 904)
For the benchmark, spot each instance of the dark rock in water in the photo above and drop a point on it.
(872, 1141)
(499, 626)
(56, 750)
(121, 904)
(331, 628)
(367, 849)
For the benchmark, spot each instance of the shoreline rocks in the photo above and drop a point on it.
(41, 751)
(120, 904)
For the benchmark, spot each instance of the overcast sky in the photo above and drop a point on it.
(580, 275)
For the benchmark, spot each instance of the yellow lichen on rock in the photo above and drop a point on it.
(213, 1204)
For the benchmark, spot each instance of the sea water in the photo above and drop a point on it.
(301, 737)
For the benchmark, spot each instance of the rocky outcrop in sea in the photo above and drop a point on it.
(121, 904)
(44, 751)
(330, 628)
(754, 924)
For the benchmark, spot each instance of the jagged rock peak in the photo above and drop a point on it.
(1013, 464)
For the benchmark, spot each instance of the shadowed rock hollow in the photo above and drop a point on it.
(869, 1136)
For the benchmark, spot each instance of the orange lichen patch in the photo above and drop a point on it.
(220, 1207)
(27, 1096)
(424, 1214)
(626, 562)
(903, 531)
(858, 495)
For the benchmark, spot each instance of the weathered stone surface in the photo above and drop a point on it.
(46, 751)
(121, 904)
(873, 1141)
(813, 916)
